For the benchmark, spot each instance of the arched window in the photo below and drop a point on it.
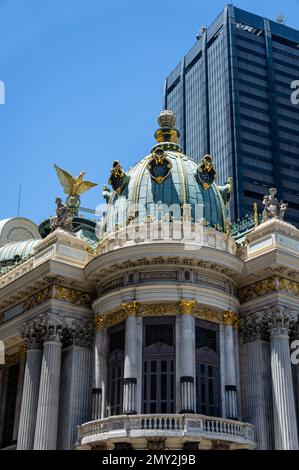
(115, 364)
(207, 368)
(158, 365)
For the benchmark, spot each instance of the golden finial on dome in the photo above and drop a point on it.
(167, 131)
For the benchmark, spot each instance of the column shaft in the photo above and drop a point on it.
(258, 391)
(48, 400)
(29, 400)
(97, 376)
(230, 374)
(130, 367)
(187, 363)
(285, 426)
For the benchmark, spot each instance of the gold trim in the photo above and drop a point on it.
(131, 308)
(231, 319)
(187, 306)
(209, 315)
(183, 179)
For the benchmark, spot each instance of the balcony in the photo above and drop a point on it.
(172, 429)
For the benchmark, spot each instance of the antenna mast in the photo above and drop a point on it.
(19, 201)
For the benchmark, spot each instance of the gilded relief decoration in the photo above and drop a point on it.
(267, 286)
(209, 315)
(231, 319)
(159, 310)
(187, 306)
(57, 292)
(131, 308)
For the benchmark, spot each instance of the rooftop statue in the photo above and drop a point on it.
(273, 208)
(73, 186)
(64, 216)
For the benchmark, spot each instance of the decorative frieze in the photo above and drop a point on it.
(183, 307)
(58, 292)
(268, 286)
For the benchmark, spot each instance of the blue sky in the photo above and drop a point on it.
(84, 81)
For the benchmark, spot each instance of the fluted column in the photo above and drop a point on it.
(48, 399)
(76, 411)
(97, 392)
(285, 425)
(187, 359)
(230, 322)
(130, 365)
(31, 383)
(257, 381)
(22, 355)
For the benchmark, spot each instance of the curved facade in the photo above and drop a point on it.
(170, 334)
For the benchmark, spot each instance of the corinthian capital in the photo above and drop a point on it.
(30, 331)
(79, 333)
(279, 319)
(252, 328)
(50, 327)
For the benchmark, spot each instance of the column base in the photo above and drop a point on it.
(231, 402)
(129, 404)
(96, 403)
(187, 394)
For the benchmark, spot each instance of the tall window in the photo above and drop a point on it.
(207, 368)
(158, 365)
(10, 405)
(115, 365)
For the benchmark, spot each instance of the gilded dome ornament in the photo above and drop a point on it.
(206, 173)
(159, 166)
(73, 186)
(118, 178)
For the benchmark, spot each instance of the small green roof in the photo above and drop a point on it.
(16, 251)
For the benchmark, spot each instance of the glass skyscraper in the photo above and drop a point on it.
(232, 97)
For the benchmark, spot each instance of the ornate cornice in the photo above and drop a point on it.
(231, 319)
(268, 286)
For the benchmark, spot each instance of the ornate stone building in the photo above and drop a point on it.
(160, 327)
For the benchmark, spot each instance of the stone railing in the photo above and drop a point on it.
(167, 425)
(16, 271)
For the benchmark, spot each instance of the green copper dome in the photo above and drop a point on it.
(163, 183)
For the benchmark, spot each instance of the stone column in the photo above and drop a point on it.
(30, 387)
(231, 321)
(97, 392)
(48, 399)
(187, 358)
(130, 365)
(257, 381)
(22, 356)
(76, 409)
(285, 425)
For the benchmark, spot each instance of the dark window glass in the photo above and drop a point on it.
(205, 338)
(159, 334)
